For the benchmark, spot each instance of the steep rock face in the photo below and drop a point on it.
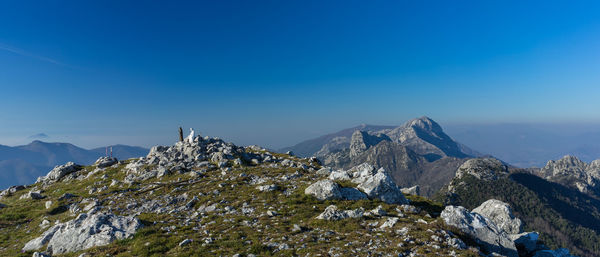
(572, 172)
(501, 214)
(490, 236)
(362, 140)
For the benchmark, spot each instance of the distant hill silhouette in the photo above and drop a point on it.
(23, 164)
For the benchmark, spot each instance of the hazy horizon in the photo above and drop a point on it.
(278, 73)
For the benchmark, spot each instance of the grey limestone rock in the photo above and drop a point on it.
(483, 230)
(86, 231)
(501, 214)
(59, 172)
(324, 190)
(332, 213)
(381, 186)
(106, 161)
(414, 190)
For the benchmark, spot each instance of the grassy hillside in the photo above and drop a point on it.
(240, 224)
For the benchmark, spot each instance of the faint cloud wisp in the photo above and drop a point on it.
(28, 54)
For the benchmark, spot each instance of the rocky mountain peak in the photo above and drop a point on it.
(425, 124)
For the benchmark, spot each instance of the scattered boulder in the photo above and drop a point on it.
(106, 161)
(415, 190)
(86, 231)
(11, 190)
(267, 188)
(332, 213)
(378, 211)
(390, 222)
(501, 214)
(59, 172)
(35, 195)
(185, 242)
(483, 230)
(381, 186)
(324, 190)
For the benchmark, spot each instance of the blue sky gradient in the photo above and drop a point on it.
(276, 72)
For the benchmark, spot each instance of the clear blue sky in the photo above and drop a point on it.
(276, 72)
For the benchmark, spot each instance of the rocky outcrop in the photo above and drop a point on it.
(59, 172)
(372, 184)
(333, 213)
(492, 238)
(501, 214)
(104, 162)
(574, 173)
(202, 154)
(11, 190)
(86, 231)
(482, 168)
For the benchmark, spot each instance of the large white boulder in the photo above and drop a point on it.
(501, 214)
(86, 231)
(483, 230)
(104, 162)
(381, 186)
(59, 172)
(324, 190)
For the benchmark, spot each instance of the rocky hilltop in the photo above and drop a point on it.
(205, 197)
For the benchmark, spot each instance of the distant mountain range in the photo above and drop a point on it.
(23, 164)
